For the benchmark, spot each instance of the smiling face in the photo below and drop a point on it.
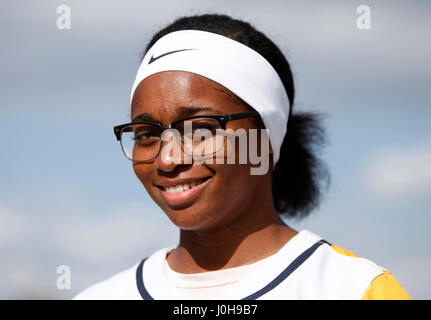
(216, 194)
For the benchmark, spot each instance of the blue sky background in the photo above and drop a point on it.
(69, 197)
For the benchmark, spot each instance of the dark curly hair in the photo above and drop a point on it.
(299, 175)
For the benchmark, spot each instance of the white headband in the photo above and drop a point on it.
(231, 64)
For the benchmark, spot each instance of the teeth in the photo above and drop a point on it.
(181, 187)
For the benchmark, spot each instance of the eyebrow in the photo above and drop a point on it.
(182, 112)
(144, 117)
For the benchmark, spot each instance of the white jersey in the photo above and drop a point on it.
(306, 267)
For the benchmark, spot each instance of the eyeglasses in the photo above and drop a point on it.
(200, 135)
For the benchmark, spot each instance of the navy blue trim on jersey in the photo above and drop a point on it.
(286, 272)
(140, 282)
(279, 279)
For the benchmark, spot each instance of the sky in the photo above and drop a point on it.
(69, 197)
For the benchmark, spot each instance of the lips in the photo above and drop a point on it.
(182, 192)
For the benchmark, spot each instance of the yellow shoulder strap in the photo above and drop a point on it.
(386, 287)
(343, 251)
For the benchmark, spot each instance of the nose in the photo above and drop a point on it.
(171, 154)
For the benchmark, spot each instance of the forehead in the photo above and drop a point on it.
(166, 92)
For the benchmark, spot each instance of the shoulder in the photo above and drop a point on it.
(347, 264)
(332, 272)
(124, 286)
(372, 281)
(119, 286)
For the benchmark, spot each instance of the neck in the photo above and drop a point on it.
(256, 234)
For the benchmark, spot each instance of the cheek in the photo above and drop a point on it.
(234, 185)
(142, 173)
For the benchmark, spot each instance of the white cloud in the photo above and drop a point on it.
(11, 224)
(399, 171)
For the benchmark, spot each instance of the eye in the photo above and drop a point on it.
(199, 128)
(203, 128)
(145, 135)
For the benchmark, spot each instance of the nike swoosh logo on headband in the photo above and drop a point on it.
(152, 59)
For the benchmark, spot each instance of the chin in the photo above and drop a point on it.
(193, 217)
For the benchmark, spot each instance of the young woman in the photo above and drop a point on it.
(214, 77)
